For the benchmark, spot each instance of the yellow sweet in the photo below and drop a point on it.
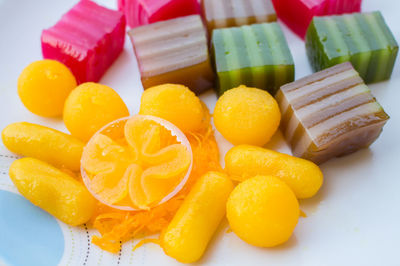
(136, 163)
(263, 211)
(107, 162)
(136, 193)
(49, 145)
(43, 87)
(176, 104)
(303, 177)
(192, 227)
(247, 116)
(53, 190)
(146, 137)
(168, 162)
(102, 154)
(91, 106)
(163, 159)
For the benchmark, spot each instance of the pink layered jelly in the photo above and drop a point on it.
(87, 39)
(297, 14)
(142, 12)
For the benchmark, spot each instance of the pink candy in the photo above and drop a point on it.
(343, 6)
(297, 14)
(142, 12)
(87, 39)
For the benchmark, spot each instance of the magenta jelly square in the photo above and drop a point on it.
(87, 39)
(297, 14)
(142, 12)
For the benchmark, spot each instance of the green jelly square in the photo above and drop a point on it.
(364, 39)
(253, 55)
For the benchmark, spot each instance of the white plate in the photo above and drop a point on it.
(354, 219)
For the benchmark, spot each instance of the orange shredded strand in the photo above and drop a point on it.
(116, 225)
(145, 241)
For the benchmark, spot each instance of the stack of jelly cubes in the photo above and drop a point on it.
(253, 55)
(240, 44)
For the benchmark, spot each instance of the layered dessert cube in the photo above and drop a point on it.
(330, 113)
(87, 39)
(230, 13)
(253, 55)
(297, 14)
(174, 51)
(363, 39)
(142, 12)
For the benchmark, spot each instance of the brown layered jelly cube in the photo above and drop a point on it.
(174, 51)
(231, 13)
(330, 113)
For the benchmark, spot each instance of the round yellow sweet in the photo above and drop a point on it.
(43, 87)
(263, 211)
(175, 103)
(91, 106)
(247, 116)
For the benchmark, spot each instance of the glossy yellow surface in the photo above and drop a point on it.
(303, 177)
(49, 145)
(43, 87)
(53, 190)
(187, 236)
(176, 104)
(247, 116)
(91, 106)
(135, 163)
(106, 162)
(263, 211)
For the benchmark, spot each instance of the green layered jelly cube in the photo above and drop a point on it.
(256, 56)
(364, 39)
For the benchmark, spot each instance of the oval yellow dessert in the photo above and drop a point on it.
(246, 115)
(175, 103)
(54, 191)
(89, 107)
(43, 87)
(187, 236)
(303, 177)
(43, 143)
(263, 211)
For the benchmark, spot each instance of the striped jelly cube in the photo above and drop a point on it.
(255, 56)
(174, 51)
(330, 113)
(361, 38)
(231, 13)
(87, 39)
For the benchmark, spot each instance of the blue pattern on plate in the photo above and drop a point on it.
(28, 235)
